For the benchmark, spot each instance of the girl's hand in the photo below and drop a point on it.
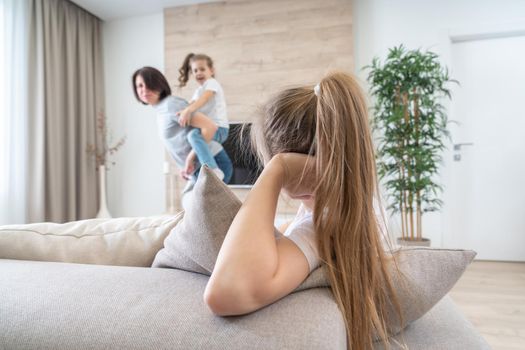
(184, 117)
(299, 177)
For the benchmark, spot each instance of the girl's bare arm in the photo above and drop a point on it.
(184, 115)
(254, 269)
(201, 101)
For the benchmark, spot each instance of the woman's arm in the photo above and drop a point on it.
(254, 269)
(189, 166)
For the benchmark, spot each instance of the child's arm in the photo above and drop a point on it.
(253, 269)
(201, 101)
(184, 115)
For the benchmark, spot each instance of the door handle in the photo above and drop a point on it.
(457, 146)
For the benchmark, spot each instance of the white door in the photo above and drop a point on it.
(484, 191)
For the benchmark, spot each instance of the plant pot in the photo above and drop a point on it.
(424, 242)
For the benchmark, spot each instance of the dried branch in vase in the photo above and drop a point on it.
(101, 154)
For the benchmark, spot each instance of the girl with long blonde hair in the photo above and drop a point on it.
(316, 145)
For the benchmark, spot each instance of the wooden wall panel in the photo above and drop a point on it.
(260, 46)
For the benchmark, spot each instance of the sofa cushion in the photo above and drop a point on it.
(423, 276)
(442, 328)
(426, 274)
(60, 306)
(121, 241)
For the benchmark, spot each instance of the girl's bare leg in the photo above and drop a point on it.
(207, 126)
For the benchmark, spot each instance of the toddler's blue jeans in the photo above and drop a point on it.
(201, 148)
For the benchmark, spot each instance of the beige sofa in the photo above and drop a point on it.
(88, 285)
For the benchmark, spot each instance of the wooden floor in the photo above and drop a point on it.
(492, 297)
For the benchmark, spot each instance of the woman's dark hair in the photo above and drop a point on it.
(185, 69)
(154, 80)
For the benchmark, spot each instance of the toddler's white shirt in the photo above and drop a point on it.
(215, 108)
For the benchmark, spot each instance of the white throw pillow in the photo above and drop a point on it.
(120, 241)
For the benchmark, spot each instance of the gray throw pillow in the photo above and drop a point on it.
(425, 274)
(194, 244)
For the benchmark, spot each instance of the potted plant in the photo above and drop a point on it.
(410, 123)
(101, 154)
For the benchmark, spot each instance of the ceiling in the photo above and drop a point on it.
(117, 9)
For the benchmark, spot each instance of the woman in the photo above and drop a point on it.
(151, 88)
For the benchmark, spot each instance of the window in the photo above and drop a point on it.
(13, 79)
(3, 114)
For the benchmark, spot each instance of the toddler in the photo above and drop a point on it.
(209, 100)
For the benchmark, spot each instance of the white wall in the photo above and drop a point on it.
(136, 183)
(382, 24)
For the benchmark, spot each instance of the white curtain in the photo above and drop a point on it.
(51, 91)
(72, 94)
(13, 111)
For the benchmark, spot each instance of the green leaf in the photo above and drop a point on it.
(410, 84)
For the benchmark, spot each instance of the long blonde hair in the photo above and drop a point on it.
(333, 126)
